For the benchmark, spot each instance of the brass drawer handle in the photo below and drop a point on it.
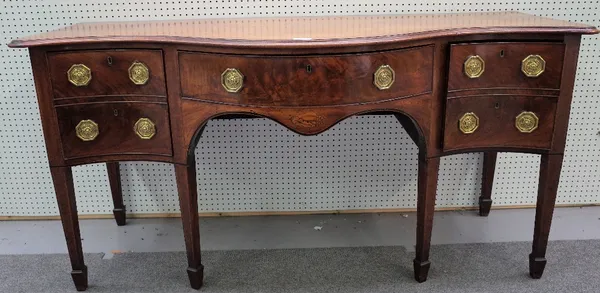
(533, 65)
(468, 123)
(474, 66)
(232, 80)
(139, 73)
(79, 75)
(87, 130)
(527, 122)
(384, 77)
(145, 128)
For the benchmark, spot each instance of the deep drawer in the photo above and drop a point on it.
(499, 121)
(89, 130)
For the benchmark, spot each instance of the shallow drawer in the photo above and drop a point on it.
(114, 128)
(107, 72)
(505, 65)
(499, 121)
(306, 80)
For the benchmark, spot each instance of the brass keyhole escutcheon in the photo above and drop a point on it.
(474, 66)
(533, 65)
(79, 75)
(87, 130)
(468, 123)
(139, 73)
(384, 77)
(527, 122)
(145, 128)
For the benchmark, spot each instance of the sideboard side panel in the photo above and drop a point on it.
(43, 88)
(563, 109)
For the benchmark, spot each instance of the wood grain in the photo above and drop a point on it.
(503, 65)
(487, 183)
(298, 32)
(114, 180)
(497, 116)
(550, 166)
(427, 187)
(306, 81)
(110, 75)
(116, 132)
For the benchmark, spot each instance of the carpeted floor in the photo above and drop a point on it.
(573, 266)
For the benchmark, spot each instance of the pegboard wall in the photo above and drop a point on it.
(257, 165)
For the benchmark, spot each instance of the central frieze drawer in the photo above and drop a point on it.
(306, 81)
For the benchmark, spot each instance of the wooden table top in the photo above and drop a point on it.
(298, 30)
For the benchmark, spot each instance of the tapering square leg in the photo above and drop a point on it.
(487, 182)
(65, 196)
(427, 185)
(114, 178)
(188, 201)
(550, 167)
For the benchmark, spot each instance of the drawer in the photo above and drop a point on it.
(107, 72)
(306, 80)
(114, 128)
(505, 65)
(499, 121)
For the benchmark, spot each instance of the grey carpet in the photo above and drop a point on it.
(573, 266)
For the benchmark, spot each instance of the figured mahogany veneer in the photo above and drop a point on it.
(307, 81)
(116, 121)
(111, 92)
(503, 65)
(497, 115)
(109, 73)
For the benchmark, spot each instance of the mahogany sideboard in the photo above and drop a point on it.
(476, 82)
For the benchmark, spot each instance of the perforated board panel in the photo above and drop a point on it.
(257, 165)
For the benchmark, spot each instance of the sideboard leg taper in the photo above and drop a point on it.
(188, 201)
(426, 189)
(548, 186)
(65, 196)
(114, 178)
(487, 182)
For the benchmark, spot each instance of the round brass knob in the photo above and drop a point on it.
(527, 122)
(533, 65)
(139, 73)
(87, 130)
(144, 128)
(468, 123)
(474, 66)
(384, 77)
(232, 80)
(79, 75)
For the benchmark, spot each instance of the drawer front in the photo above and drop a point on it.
(89, 130)
(505, 65)
(499, 121)
(107, 72)
(306, 80)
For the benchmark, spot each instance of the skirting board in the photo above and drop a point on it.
(274, 213)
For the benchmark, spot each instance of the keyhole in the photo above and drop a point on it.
(502, 53)
(115, 112)
(308, 68)
(109, 60)
(497, 105)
